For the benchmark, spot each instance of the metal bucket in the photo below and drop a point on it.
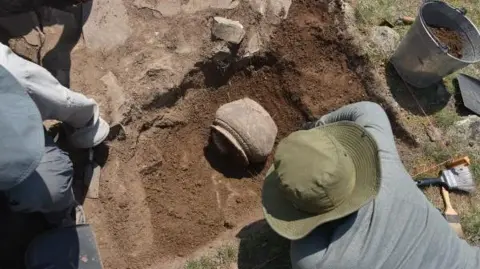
(421, 60)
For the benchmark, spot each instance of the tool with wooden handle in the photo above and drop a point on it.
(457, 178)
(405, 20)
(465, 161)
(451, 215)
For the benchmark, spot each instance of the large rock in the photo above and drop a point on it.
(259, 6)
(467, 129)
(166, 7)
(228, 30)
(107, 25)
(22, 35)
(199, 5)
(252, 45)
(280, 8)
(170, 8)
(277, 8)
(385, 39)
(221, 52)
(116, 97)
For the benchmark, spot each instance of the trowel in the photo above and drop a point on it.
(470, 90)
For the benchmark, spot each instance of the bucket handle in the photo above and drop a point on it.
(461, 10)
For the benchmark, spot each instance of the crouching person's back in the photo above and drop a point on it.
(341, 194)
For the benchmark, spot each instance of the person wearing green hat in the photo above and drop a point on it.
(339, 191)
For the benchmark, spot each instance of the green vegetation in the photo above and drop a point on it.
(446, 117)
(471, 226)
(224, 256)
(371, 13)
(260, 248)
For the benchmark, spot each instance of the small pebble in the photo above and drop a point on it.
(228, 224)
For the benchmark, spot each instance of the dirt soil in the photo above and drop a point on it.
(191, 194)
(449, 38)
(164, 191)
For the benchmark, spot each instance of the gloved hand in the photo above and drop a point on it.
(311, 124)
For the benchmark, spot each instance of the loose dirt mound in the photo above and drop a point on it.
(451, 39)
(165, 192)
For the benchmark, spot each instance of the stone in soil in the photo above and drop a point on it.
(107, 24)
(165, 192)
(385, 39)
(467, 129)
(228, 30)
(277, 8)
(188, 207)
(252, 45)
(170, 8)
(21, 34)
(434, 133)
(117, 100)
(449, 38)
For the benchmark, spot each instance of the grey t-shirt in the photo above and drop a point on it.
(400, 228)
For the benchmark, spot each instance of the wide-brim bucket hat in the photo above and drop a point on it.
(318, 176)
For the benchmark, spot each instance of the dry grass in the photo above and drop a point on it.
(222, 259)
(259, 247)
(371, 13)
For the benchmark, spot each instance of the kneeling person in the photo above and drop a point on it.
(340, 192)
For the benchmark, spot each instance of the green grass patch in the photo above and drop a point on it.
(471, 226)
(264, 249)
(371, 13)
(222, 259)
(446, 118)
(475, 168)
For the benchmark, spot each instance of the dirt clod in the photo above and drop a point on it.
(449, 38)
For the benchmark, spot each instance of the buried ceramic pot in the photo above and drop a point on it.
(243, 128)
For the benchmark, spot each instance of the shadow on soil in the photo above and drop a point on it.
(261, 247)
(17, 230)
(223, 164)
(459, 105)
(71, 18)
(431, 99)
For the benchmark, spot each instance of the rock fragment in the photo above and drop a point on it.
(253, 44)
(221, 52)
(385, 39)
(228, 30)
(277, 8)
(434, 133)
(116, 96)
(107, 25)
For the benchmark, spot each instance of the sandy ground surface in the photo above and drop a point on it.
(165, 193)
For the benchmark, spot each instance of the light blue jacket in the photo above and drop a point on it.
(22, 139)
(400, 229)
